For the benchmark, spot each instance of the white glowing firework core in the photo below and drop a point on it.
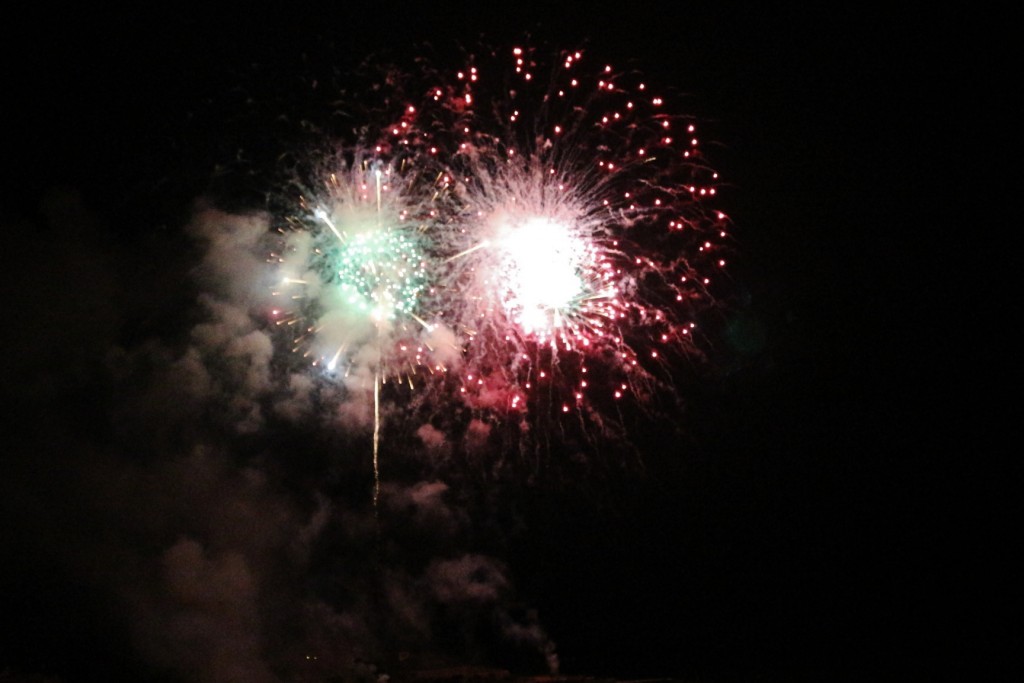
(541, 262)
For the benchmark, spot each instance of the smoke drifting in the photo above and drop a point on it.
(210, 499)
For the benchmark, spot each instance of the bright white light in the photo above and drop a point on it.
(540, 266)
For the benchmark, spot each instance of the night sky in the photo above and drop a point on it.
(816, 510)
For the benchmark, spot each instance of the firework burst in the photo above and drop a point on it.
(581, 235)
(534, 231)
(355, 267)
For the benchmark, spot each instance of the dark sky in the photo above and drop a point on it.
(819, 519)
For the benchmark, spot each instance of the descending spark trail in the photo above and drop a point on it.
(376, 439)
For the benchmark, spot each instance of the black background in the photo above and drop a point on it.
(827, 516)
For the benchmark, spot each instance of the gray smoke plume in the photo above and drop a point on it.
(210, 494)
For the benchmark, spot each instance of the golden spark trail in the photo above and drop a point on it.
(376, 438)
